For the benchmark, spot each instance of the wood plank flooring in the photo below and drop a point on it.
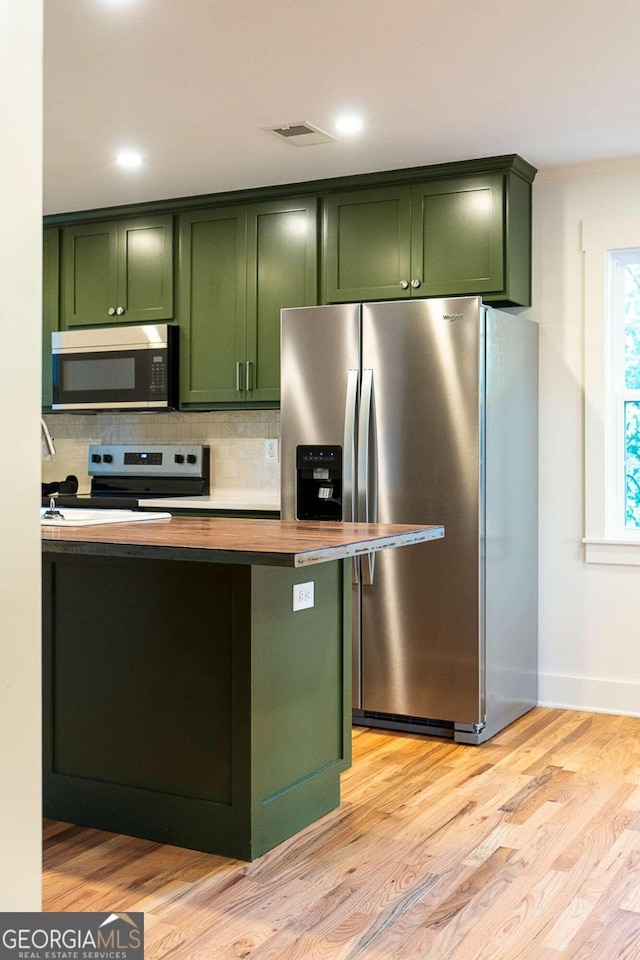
(525, 848)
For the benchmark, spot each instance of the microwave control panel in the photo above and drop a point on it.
(158, 373)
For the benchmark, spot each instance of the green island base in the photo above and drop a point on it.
(187, 703)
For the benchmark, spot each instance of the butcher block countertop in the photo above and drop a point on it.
(284, 543)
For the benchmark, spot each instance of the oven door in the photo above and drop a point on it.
(129, 378)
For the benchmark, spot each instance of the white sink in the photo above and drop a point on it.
(84, 517)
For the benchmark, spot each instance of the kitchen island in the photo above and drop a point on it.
(185, 701)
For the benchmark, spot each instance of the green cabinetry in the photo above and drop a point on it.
(445, 236)
(198, 709)
(50, 304)
(450, 229)
(118, 270)
(238, 267)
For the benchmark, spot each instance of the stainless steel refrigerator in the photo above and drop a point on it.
(427, 410)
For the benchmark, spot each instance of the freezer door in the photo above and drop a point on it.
(319, 394)
(422, 617)
(320, 370)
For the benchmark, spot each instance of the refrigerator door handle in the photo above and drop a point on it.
(349, 464)
(367, 467)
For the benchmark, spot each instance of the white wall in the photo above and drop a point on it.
(589, 613)
(20, 324)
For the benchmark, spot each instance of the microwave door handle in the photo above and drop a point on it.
(367, 467)
(349, 465)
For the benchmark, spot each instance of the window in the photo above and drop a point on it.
(612, 389)
(624, 323)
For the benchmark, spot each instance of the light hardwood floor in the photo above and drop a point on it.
(526, 848)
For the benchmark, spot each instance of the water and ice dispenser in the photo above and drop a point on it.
(318, 482)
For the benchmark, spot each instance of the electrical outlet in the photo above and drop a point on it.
(271, 451)
(303, 595)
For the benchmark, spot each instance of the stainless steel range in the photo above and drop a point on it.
(123, 474)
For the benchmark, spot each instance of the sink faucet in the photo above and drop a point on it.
(47, 439)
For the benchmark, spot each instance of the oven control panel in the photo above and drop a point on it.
(148, 459)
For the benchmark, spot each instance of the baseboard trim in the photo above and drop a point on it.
(590, 693)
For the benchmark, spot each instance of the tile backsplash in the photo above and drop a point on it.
(236, 439)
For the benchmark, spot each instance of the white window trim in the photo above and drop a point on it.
(603, 542)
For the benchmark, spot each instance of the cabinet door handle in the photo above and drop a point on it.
(111, 311)
(415, 284)
(120, 311)
(404, 284)
(239, 366)
(249, 376)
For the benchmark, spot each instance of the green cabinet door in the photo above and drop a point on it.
(118, 270)
(50, 304)
(212, 271)
(282, 268)
(457, 243)
(145, 269)
(89, 267)
(367, 244)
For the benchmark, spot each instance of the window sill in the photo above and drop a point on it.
(621, 551)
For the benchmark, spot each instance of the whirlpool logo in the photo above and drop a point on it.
(72, 936)
(451, 316)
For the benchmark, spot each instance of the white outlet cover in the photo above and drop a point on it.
(271, 451)
(303, 596)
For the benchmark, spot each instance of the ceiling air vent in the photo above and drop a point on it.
(301, 134)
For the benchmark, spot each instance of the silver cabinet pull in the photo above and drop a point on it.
(239, 378)
(367, 466)
(349, 464)
(120, 311)
(404, 284)
(111, 311)
(415, 284)
(249, 376)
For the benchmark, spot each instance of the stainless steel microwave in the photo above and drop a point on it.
(116, 368)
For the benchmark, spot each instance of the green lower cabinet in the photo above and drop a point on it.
(118, 271)
(186, 702)
(50, 305)
(238, 268)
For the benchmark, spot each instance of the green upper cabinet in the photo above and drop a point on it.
(457, 236)
(238, 267)
(50, 304)
(211, 269)
(367, 244)
(118, 270)
(445, 236)
(282, 271)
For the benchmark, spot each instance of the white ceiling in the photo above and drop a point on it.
(190, 83)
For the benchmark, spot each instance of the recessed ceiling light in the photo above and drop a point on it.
(129, 159)
(349, 124)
